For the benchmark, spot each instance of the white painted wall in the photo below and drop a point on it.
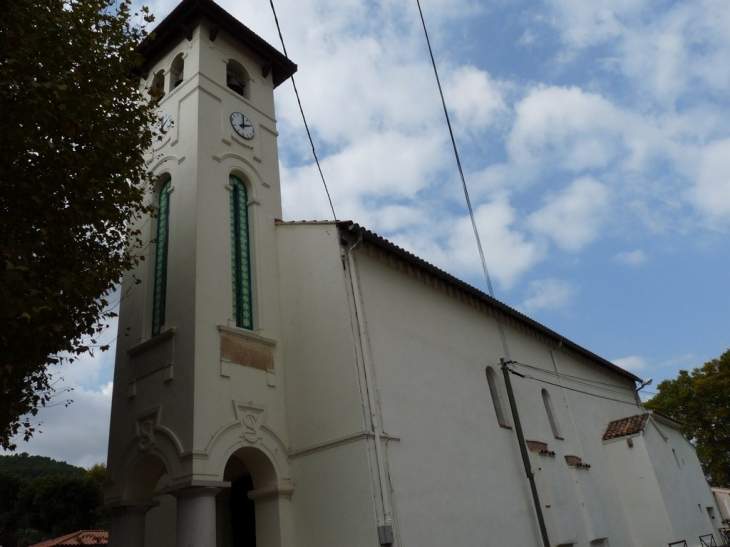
(456, 474)
(722, 498)
(665, 498)
(686, 494)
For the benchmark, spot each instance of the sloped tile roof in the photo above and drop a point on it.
(84, 537)
(188, 12)
(626, 426)
(379, 241)
(348, 225)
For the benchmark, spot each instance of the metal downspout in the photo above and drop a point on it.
(369, 383)
(525, 455)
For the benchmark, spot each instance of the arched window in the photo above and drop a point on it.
(157, 89)
(163, 235)
(240, 255)
(496, 393)
(237, 78)
(551, 414)
(177, 71)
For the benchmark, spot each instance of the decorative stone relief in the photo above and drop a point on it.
(252, 418)
(145, 426)
(250, 427)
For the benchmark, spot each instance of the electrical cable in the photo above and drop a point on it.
(301, 110)
(463, 182)
(584, 381)
(633, 403)
(581, 381)
(564, 375)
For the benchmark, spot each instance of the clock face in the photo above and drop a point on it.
(242, 125)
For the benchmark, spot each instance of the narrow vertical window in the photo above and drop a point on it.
(240, 255)
(177, 71)
(157, 89)
(237, 78)
(163, 232)
(494, 391)
(551, 414)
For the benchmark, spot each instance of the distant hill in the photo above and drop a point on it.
(30, 467)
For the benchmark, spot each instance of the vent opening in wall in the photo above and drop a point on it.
(157, 88)
(237, 78)
(554, 426)
(177, 71)
(497, 400)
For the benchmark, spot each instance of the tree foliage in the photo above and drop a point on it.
(29, 467)
(701, 401)
(73, 131)
(55, 503)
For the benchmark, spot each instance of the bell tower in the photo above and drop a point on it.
(198, 414)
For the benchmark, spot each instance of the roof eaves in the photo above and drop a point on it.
(190, 11)
(380, 241)
(665, 419)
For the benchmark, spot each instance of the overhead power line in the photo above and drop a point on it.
(304, 118)
(588, 382)
(527, 376)
(487, 277)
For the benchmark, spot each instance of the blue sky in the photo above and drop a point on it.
(596, 148)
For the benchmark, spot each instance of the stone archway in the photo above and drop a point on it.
(236, 511)
(127, 516)
(249, 513)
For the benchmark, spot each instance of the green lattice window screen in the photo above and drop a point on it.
(240, 255)
(163, 233)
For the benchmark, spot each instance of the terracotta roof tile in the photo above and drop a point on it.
(84, 537)
(626, 426)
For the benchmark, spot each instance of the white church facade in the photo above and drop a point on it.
(282, 384)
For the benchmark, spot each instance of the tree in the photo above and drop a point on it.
(29, 467)
(41, 498)
(10, 486)
(74, 128)
(701, 401)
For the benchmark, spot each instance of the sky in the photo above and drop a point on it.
(595, 146)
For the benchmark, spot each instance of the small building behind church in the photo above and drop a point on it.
(282, 384)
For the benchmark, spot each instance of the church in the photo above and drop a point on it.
(282, 384)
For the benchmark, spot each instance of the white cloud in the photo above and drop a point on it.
(473, 98)
(508, 252)
(632, 363)
(584, 24)
(388, 165)
(578, 130)
(548, 294)
(77, 434)
(711, 193)
(528, 38)
(631, 258)
(665, 52)
(573, 218)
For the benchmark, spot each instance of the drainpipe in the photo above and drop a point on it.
(385, 532)
(525, 455)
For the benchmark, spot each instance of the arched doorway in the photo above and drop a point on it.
(248, 513)
(236, 511)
